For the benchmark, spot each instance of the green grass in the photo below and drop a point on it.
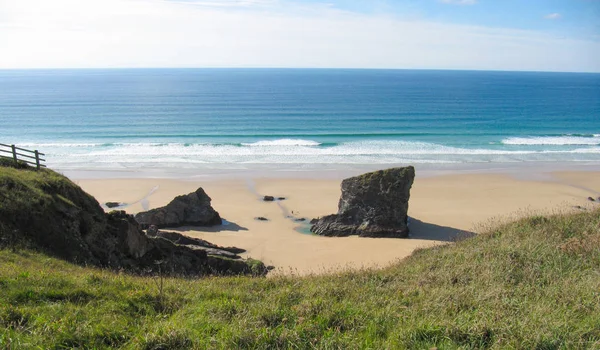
(531, 284)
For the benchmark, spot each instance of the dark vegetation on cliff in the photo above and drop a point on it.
(530, 284)
(45, 211)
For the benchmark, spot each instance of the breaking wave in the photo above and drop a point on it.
(554, 140)
(283, 142)
(303, 151)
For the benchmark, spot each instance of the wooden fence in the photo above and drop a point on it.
(18, 154)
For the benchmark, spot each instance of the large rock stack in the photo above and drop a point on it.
(372, 205)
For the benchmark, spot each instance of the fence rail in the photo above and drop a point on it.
(18, 154)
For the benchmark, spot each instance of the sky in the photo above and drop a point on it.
(522, 35)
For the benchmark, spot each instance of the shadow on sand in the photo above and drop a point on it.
(229, 226)
(423, 230)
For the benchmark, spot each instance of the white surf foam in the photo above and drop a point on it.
(176, 155)
(41, 146)
(553, 140)
(283, 142)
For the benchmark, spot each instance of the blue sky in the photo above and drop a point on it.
(578, 18)
(546, 35)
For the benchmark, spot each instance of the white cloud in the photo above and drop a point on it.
(460, 2)
(226, 3)
(158, 33)
(553, 16)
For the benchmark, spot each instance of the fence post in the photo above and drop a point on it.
(14, 151)
(37, 159)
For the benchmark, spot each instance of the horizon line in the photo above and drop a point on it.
(292, 68)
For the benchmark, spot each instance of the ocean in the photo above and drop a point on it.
(299, 118)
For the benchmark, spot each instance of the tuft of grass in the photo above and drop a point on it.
(530, 284)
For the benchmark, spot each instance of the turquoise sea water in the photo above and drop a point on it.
(211, 118)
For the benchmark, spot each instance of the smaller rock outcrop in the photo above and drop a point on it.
(193, 209)
(371, 205)
(113, 204)
(268, 198)
(196, 243)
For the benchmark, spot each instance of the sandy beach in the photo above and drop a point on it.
(441, 207)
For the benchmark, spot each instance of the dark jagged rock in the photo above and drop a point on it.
(296, 219)
(371, 205)
(591, 199)
(196, 243)
(215, 252)
(152, 230)
(193, 209)
(261, 218)
(46, 211)
(112, 204)
(280, 198)
(313, 221)
(268, 198)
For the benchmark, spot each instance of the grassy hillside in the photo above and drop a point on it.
(532, 284)
(43, 209)
(47, 212)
